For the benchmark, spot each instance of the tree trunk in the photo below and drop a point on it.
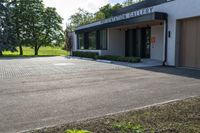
(20, 49)
(36, 50)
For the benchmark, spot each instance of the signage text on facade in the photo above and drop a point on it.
(128, 15)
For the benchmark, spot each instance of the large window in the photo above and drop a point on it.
(92, 40)
(81, 41)
(103, 39)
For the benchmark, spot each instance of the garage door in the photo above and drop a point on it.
(190, 43)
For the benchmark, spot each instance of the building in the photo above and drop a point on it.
(164, 30)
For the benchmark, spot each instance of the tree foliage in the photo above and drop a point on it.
(130, 2)
(106, 11)
(7, 27)
(83, 17)
(32, 23)
(68, 39)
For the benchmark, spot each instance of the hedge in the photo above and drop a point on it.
(92, 55)
(120, 58)
(95, 55)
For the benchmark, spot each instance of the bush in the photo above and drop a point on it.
(92, 55)
(120, 58)
(95, 55)
(128, 127)
(77, 131)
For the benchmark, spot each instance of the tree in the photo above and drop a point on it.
(41, 26)
(7, 27)
(116, 7)
(28, 23)
(31, 12)
(82, 17)
(108, 9)
(19, 15)
(68, 38)
(130, 2)
(51, 33)
(99, 15)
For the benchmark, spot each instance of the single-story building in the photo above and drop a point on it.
(164, 30)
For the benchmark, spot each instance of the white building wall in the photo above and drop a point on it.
(157, 47)
(74, 41)
(178, 9)
(116, 43)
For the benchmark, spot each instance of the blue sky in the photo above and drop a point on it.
(68, 7)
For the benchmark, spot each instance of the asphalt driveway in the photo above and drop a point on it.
(38, 92)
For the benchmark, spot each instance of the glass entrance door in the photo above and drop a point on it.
(145, 42)
(138, 42)
(131, 41)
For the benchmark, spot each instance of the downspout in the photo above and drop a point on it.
(166, 41)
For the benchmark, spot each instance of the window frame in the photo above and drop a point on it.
(79, 42)
(86, 40)
(106, 40)
(89, 41)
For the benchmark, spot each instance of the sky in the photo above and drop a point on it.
(66, 8)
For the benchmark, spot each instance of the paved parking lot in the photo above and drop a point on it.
(38, 92)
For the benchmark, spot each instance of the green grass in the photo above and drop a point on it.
(43, 51)
(127, 127)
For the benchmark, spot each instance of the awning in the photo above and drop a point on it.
(133, 20)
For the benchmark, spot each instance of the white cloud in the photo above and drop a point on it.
(68, 7)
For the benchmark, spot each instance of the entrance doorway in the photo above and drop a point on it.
(138, 42)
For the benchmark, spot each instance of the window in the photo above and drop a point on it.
(81, 41)
(103, 39)
(92, 40)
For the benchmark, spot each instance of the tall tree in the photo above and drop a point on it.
(41, 26)
(7, 27)
(130, 2)
(82, 17)
(19, 11)
(68, 39)
(18, 20)
(51, 30)
(108, 9)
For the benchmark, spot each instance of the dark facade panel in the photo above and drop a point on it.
(86, 40)
(144, 18)
(140, 5)
(98, 40)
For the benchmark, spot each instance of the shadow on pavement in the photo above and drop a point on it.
(185, 72)
(154, 67)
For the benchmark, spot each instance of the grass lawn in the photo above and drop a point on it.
(43, 51)
(176, 117)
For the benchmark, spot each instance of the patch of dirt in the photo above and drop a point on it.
(176, 117)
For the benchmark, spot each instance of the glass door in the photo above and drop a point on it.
(145, 42)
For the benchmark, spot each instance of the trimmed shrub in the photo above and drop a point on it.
(120, 58)
(92, 55)
(95, 55)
